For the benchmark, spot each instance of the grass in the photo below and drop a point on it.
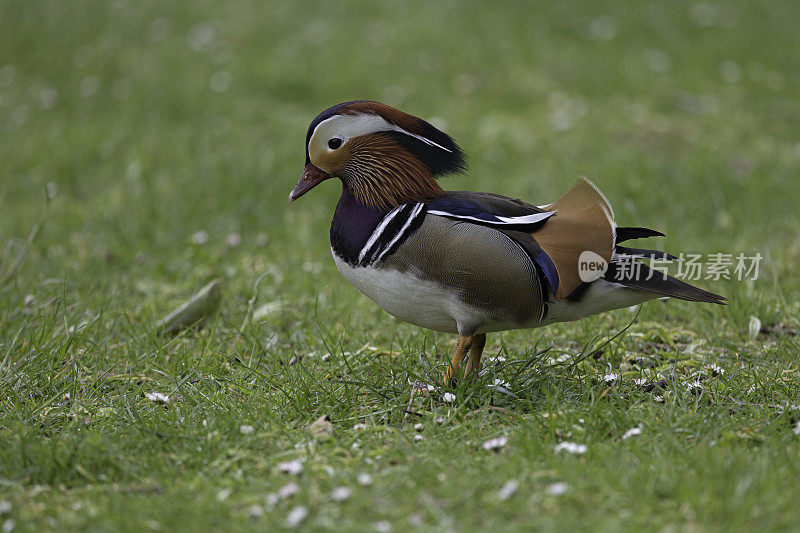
(148, 148)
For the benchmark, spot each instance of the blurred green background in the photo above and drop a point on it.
(151, 122)
(147, 147)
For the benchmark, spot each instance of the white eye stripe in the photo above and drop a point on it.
(348, 126)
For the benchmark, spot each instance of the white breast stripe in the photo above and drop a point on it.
(525, 219)
(378, 231)
(414, 214)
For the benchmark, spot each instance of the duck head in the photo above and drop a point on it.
(383, 156)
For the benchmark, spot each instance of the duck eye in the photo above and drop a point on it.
(334, 143)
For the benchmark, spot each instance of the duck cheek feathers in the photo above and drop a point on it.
(310, 178)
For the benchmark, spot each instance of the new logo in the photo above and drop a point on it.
(591, 266)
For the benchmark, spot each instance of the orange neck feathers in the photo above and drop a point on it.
(383, 173)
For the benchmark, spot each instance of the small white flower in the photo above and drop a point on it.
(246, 429)
(796, 429)
(694, 386)
(290, 467)
(296, 516)
(449, 397)
(158, 397)
(658, 398)
(200, 237)
(340, 494)
(359, 427)
(9, 525)
(288, 490)
(418, 438)
(611, 377)
(220, 81)
(508, 489)
(495, 444)
(383, 526)
(232, 240)
(754, 327)
(560, 358)
(52, 189)
(223, 494)
(5, 507)
(632, 432)
(639, 381)
(571, 447)
(48, 98)
(557, 489)
(201, 36)
(499, 383)
(419, 426)
(430, 388)
(603, 28)
(716, 369)
(364, 479)
(255, 511)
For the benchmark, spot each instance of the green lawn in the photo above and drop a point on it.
(147, 148)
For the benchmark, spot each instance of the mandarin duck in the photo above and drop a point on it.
(469, 263)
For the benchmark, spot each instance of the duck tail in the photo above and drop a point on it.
(627, 270)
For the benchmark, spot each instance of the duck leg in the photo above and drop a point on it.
(474, 361)
(464, 345)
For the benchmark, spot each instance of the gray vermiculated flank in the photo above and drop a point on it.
(486, 268)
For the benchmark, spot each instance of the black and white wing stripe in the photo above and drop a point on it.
(490, 210)
(497, 221)
(390, 233)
